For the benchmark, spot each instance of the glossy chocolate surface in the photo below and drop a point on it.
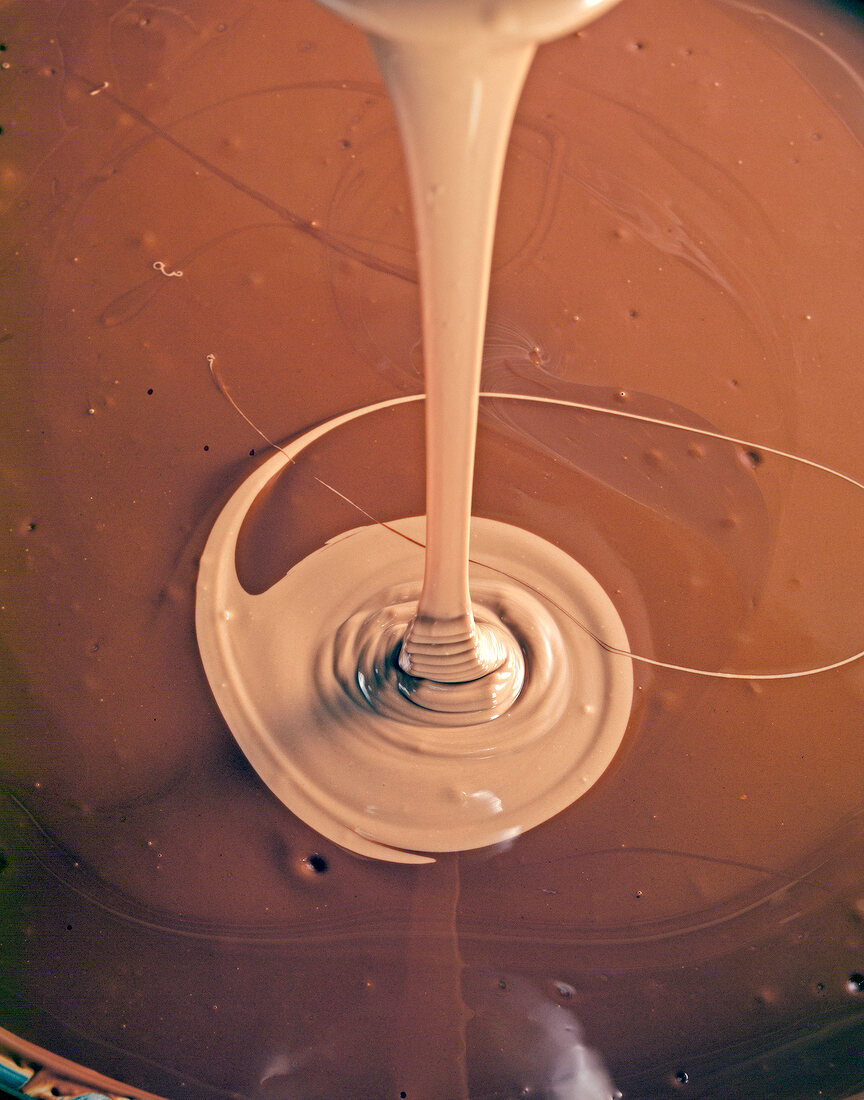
(680, 236)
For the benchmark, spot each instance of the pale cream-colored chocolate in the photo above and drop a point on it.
(395, 717)
(685, 179)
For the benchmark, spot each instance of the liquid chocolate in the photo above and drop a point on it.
(679, 236)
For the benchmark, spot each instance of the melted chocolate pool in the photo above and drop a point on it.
(680, 236)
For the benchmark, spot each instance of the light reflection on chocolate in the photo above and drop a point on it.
(680, 223)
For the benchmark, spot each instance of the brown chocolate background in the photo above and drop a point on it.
(681, 235)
